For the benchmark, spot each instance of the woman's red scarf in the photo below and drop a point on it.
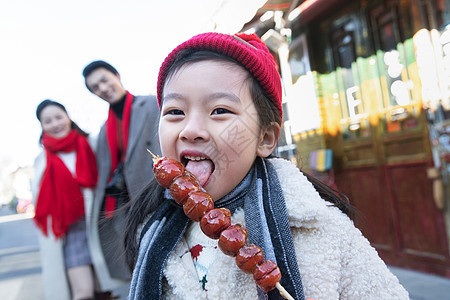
(60, 195)
(113, 144)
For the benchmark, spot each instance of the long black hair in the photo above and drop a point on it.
(151, 196)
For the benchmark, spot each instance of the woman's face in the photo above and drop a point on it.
(209, 122)
(55, 122)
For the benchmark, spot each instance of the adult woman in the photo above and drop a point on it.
(65, 173)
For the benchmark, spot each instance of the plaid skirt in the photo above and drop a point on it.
(76, 250)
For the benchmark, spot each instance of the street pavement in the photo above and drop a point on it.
(421, 286)
(20, 262)
(20, 266)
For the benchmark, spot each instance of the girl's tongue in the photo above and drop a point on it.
(201, 169)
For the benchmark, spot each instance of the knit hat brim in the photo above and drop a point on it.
(246, 49)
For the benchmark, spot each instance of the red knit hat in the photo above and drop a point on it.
(247, 49)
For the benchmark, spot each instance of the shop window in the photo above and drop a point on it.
(299, 58)
(302, 103)
(387, 26)
(353, 115)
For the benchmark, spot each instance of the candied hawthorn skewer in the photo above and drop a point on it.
(249, 258)
(198, 206)
(215, 221)
(182, 186)
(166, 170)
(198, 203)
(232, 239)
(267, 275)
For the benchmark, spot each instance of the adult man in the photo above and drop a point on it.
(124, 165)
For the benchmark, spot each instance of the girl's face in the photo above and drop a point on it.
(55, 122)
(209, 122)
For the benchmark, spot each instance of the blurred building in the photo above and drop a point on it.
(7, 166)
(21, 187)
(15, 189)
(367, 96)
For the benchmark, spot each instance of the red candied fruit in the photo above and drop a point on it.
(232, 239)
(166, 169)
(215, 221)
(182, 186)
(267, 275)
(198, 203)
(249, 257)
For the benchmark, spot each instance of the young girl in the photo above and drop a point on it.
(220, 98)
(65, 173)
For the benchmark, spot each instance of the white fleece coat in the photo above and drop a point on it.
(335, 260)
(54, 275)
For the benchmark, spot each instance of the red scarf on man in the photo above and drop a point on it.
(113, 143)
(60, 195)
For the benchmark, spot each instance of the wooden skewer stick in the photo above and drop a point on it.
(283, 292)
(155, 158)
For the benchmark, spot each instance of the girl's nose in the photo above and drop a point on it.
(195, 130)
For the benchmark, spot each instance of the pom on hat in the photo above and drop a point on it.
(247, 49)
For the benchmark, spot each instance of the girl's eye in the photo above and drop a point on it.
(174, 112)
(219, 111)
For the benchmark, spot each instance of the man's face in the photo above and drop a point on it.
(105, 85)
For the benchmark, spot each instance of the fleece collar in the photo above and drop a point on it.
(304, 204)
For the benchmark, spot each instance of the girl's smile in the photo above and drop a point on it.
(210, 123)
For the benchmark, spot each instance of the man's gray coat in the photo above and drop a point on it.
(138, 172)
